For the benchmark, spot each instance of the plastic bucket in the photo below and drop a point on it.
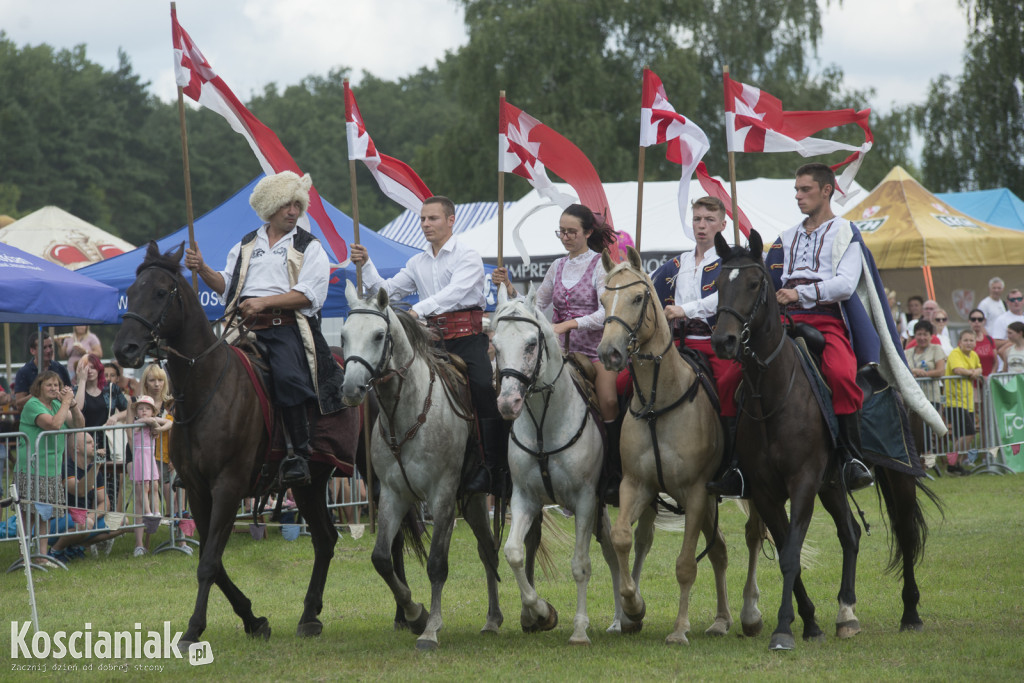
(114, 520)
(290, 532)
(187, 527)
(79, 515)
(151, 523)
(257, 531)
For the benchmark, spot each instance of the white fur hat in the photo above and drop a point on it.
(274, 191)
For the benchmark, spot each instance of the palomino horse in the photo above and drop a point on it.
(671, 442)
(555, 457)
(783, 448)
(219, 441)
(420, 452)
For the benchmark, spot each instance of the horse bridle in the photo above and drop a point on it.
(154, 328)
(376, 372)
(633, 330)
(745, 321)
(530, 382)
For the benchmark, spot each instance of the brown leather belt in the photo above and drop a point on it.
(272, 318)
(458, 323)
(819, 308)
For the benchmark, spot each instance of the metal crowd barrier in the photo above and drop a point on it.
(120, 508)
(966, 407)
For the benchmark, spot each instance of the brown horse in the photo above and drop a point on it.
(219, 441)
(671, 442)
(783, 445)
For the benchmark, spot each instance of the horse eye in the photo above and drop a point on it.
(532, 346)
(637, 299)
(378, 337)
(752, 285)
(161, 293)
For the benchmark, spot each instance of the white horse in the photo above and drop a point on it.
(419, 450)
(555, 456)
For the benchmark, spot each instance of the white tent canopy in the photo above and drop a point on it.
(769, 204)
(59, 237)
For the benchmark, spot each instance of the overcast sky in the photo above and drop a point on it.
(895, 46)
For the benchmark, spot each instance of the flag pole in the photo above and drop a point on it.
(732, 173)
(363, 409)
(501, 184)
(188, 175)
(640, 181)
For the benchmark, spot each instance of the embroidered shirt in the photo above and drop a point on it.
(809, 255)
(689, 286)
(268, 270)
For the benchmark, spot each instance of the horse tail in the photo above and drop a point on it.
(906, 516)
(413, 531)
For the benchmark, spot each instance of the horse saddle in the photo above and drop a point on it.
(813, 339)
(583, 376)
(701, 366)
(454, 375)
(885, 425)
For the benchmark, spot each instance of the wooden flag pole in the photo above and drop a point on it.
(732, 179)
(639, 197)
(364, 409)
(501, 185)
(188, 176)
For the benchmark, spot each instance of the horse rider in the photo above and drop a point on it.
(275, 283)
(687, 287)
(817, 265)
(449, 278)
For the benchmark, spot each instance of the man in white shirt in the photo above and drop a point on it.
(687, 288)
(821, 267)
(449, 278)
(276, 279)
(1015, 300)
(992, 305)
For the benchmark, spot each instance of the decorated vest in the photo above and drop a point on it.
(578, 300)
(327, 375)
(664, 280)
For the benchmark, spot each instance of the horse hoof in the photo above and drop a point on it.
(639, 616)
(426, 645)
(310, 629)
(419, 624)
(751, 630)
(630, 627)
(916, 626)
(718, 629)
(583, 640)
(848, 629)
(616, 627)
(677, 639)
(183, 646)
(261, 630)
(818, 637)
(782, 641)
(546, 625)
(401, 625)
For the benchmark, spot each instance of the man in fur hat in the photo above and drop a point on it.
(276, 281)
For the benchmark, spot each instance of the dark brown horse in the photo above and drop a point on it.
(219, 441)
(783, 446)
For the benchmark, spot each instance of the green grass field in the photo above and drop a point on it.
(971, 584)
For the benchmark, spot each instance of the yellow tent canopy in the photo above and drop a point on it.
(912, 234)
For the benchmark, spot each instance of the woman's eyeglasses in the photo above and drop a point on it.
(940, 320)
(977, 320)
(566, 233)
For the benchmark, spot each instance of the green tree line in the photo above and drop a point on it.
(97, 143)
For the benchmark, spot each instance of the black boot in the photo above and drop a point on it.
(729, 482)
(855, 473)
(492, 475)
(177, 482)
(295, 466)
(611, 473)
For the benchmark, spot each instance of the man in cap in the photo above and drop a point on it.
(449, 278)
(276, 280)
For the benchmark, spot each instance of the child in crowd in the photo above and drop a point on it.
(144, 468)
(963, 363)
(1013, 355)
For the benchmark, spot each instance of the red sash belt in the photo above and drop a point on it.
(458, 323)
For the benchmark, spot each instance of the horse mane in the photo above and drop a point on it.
(420, 338)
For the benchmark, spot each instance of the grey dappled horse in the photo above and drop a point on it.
(555, 456)
(418, 450)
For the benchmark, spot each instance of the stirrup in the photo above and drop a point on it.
(856, 475)
(731, 485)
(480, 482)
(294, 471)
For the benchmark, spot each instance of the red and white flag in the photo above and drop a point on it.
(687, 144)
(395, 178)
(527, 147)
(198, 80)
(756, 122)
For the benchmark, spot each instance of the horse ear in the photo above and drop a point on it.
(177, 253)
(152, 250)
(756, 245)
(634, 259)
(606, 261)
(721, 246)
(502, 295)
(382, 298)
(531, 295)
(350, 294)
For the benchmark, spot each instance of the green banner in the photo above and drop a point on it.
(1007, 393)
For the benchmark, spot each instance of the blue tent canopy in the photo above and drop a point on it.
(220, 229)
(33, 290)
(996, 207)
